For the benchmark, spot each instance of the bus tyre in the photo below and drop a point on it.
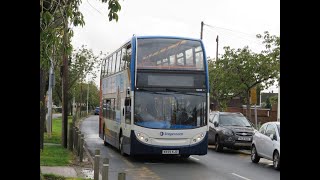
(104, 137)
(219, 147)
(121, 145)
(104, 140)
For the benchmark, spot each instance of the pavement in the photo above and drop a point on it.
(73, 171)
(65, 171)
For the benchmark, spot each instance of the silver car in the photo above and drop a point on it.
(266, 144)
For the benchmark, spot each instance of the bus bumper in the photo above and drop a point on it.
(139, 148)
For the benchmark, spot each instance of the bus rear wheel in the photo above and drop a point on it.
(121, 145)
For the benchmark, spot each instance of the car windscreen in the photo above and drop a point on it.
(233, 120)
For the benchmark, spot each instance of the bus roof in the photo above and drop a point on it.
(167, 37)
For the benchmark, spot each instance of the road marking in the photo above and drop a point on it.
(240, 176)
(194, 158)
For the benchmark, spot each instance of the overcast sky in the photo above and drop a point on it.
(235, 21)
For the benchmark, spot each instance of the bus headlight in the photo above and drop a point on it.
(142, 137)
(197, 138)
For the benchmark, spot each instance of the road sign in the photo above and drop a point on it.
(253, 95)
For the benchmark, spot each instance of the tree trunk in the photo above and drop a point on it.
(248, 106)
(70, 108)
(42, 106)
(81, 99)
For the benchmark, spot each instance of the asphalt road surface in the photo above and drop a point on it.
(228, 165)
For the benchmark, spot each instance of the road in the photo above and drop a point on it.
(229, 165)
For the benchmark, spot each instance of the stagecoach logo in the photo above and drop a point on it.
(170, 134)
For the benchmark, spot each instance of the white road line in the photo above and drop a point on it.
(240, 176)
(194, 158)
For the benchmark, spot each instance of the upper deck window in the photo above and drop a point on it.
(169, 54)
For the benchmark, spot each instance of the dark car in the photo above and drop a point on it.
(96, 111)
(231, 130)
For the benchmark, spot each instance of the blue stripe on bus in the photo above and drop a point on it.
(139, 148)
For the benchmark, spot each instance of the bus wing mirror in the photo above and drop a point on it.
(127, 102)
(128, 91)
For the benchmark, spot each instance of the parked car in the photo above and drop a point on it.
(96, 111)
(266, 144)
(231, 130)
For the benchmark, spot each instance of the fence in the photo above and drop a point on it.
(76, 144)
(263, 115)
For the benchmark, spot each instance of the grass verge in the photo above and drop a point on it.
(55, 155)
(56, 131)
(56, 177)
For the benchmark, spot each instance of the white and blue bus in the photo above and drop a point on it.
(154, 97)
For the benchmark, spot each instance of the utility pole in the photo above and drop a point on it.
(217, 40)
(49, 105)
(65, 85)
(201, 29)
(87, 96)
(278, 113)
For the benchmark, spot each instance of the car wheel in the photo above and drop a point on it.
(219, 147)
(276, 160)
(254, 155)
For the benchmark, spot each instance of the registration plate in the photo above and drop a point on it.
(244, 138)
(170, 151)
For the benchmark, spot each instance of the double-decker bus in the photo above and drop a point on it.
(154, 95)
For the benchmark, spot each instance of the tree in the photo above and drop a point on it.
(221, 85)
(83, 63)
(268, 103)
(55, 40)
(238, 71)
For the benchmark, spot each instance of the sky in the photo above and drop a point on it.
(235, 22)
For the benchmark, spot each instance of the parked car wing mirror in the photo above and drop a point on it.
(271, 136)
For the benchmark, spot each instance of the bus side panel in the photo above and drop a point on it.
(126, 127)
(139, 148)
(111, 137)
(100, 113)
(127, 145)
